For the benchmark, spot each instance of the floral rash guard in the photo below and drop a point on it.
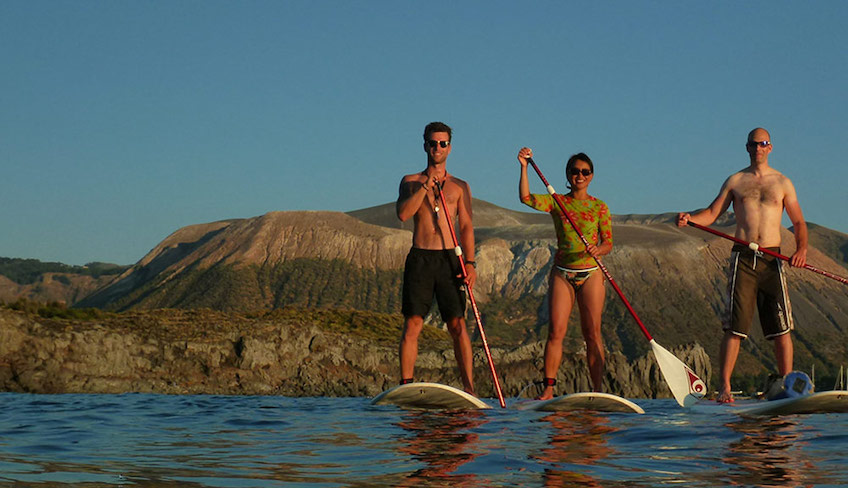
(592, 216)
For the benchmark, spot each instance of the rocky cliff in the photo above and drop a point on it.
(202, 351)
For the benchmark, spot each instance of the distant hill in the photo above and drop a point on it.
(52, 282)
(28, 271)
(832, 243)
(485, 215)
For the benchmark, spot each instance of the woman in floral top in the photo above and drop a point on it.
(574, 276)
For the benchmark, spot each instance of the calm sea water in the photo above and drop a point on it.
(224, 441)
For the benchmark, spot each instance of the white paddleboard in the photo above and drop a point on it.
(820, 402)
(598, 402)
(429, 396)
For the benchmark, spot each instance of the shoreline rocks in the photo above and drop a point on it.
(207, 352)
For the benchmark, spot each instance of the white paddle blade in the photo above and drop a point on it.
(686, 387)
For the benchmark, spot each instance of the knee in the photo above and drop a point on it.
(556, 335)
(412, 328)
(593, 338)
(456, 327)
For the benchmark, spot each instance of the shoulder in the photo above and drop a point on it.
(412, 177)
(597, 202)
(784, 181)
(462, 184)
(737, 182)
(778, 179)
(780, 176)
(737, 177)
(458, 181)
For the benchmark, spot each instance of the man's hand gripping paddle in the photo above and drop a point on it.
(458, 251)
(686, 387)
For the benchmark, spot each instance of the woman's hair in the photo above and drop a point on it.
(570, 164)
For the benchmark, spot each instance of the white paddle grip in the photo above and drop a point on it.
(458, 250)
(551, 190)
(754, 246)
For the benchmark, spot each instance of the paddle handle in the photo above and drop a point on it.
(458, 251)
(756, 247)
(607, 274)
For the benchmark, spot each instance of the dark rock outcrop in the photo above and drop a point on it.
(205, 352)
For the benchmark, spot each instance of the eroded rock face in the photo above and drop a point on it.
(205, 352)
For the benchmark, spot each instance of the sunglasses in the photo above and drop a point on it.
(577, 171)
(432, 144)
(758, 143)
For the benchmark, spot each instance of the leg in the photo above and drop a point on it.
(462, 352)
(590, 299)
(783, 353)
(408, 352)
(776, 315)
(417, 297)
(727, 360)
(742, 297)
(560, 302)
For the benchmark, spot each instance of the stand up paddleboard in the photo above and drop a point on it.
(820, 402)
(597, 402)
(429, 396)
(791, 395)
(814, 403)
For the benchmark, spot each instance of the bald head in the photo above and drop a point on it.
(759, 134)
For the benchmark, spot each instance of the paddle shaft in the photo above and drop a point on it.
(763, 250)
(458, 251)
(607, 274)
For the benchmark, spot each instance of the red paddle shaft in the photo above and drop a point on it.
(763, 250)
(458, 251)
(586, 243)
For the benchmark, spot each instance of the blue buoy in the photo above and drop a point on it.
(795, 384)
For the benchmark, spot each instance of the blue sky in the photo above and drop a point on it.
(121, 121)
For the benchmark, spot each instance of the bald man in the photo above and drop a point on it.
(759, 194)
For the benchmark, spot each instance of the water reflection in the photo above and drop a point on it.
(579, 438)
(771, 453)
(443, 441)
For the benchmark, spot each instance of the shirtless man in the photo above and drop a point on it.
(432, 266)
(759, 194)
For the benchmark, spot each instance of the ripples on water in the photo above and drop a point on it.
(219, 441)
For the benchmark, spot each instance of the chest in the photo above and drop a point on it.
(763, 191)
(585, 213)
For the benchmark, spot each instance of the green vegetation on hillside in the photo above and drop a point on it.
(383, 328)
(54, 310)
(27, 271)
(379, 327)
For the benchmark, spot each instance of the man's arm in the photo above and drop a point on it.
(411, 195)
(466, 230)
(709, 215)
(799, 226)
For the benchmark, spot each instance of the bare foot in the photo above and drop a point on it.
(725, 397)
(547, 394)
